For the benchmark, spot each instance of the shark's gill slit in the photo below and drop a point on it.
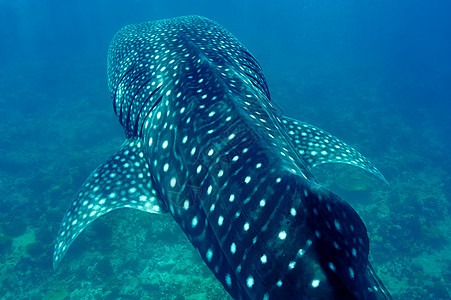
(147, 114)
(259, 82)
(136, 100)
(130, 69)
(144, 104)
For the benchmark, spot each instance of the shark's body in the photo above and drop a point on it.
(205, 144)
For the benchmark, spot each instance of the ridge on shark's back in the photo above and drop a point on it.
(204, 143)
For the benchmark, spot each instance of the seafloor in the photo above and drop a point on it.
(52, 137)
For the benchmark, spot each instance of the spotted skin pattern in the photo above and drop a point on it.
(205, 144)
(318, 147)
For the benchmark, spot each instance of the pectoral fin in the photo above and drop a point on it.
(316, 147)
(123, 181)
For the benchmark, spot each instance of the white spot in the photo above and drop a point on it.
(233, 248)
(250, 281)
(332, 267)
(228, 280)
(291, 265)
(293, 211)
(220, 173)
(264, 259)
(166, 167)
(262, 203)
(282, 235)
(337, 225)
(220, 220)
(246, 226)
(194, 222)
(258, 165)
(173, 182)
(165, 144)
(278, 180)
(210, 188)
(199, 168)
(279, 283)
(209, 255)
(232, 198)
(247, 179)
(231, 136)
(186, 204)
(315, 283)
(210, 152)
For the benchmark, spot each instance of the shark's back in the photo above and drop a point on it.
(205, 144)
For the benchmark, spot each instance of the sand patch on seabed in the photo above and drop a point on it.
(20, 243)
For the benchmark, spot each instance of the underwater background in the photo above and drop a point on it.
(376, 74)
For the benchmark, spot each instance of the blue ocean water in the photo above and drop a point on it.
(374, 73)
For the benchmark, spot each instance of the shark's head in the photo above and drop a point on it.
(177, 60)
(205, 144)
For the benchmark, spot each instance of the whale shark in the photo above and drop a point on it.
(205, 143)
